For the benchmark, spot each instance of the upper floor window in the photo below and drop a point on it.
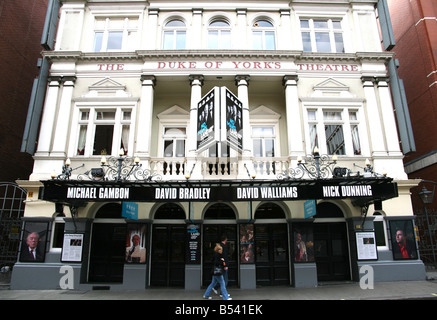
(104, 131)
(174, 142)
(115, 34)
(263, 33)
(219, 35)
(322, 35)
(263, 141)
(174, 35)
(334, 130)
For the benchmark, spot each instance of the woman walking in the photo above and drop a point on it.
(217, 277)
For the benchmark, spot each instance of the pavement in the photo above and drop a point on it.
(398, 290)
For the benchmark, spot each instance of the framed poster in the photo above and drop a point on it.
(136, 243)
(366, 246)
(231, 119)
(247, 243)
(193, 248)
(303, 243)
(208, 124)
(33, 243)
(72, 247)
(403, 239)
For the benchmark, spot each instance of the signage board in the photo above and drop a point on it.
(72, 247)
(130, 210)
(208, 110)
(231, 117)
(193, 248)
(309, 208)
(206, 192)
(366, 246)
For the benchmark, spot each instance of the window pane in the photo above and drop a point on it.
(264, 24)
(262, 131)
(58, 235)
(339, 45)
(257, 148)
(225, 39)
(331, 115)
(105, 115)
(115, 40)
(175, 23)
(98, 41)
(124, 144)
(334, 139)
(213, 39)
(168, 40)
(168, 148)
(356, 140)
(219, 23)
(379, 233)
(304, 24)
(82, 140)
(126, 115)
(306, 41)
(103, 139)
(321, 24)
(180, 40)
(180, 148)
(353, 115)
(270, 148)
(270, 40)
(313, 136)
(322, 41)
(84, 115)
(257, 40)
(336, 25)
(312, 115)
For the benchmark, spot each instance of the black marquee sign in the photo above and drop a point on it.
(78, 191)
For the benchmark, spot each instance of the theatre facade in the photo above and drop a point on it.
(165, 126)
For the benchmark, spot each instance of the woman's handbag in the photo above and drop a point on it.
(217, 271)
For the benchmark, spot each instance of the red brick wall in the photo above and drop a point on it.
(21, 25)
(416, 49)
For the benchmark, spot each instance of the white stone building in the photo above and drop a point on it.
(125, 82)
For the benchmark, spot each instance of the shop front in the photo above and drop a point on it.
(138, 235)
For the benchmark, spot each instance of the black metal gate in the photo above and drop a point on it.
(11, 211)
(427, 233)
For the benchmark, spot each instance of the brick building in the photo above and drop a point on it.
(21, 26)
(415, 30)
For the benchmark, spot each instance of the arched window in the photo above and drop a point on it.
(263, 34)
(219, 35)
(328, 210)
(220, 211)
(170, 211)
(269, 211)
(109, 211)
(174, 35)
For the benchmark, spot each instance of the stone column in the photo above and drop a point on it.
(63, 120)
(294, 116)
(145, 112)
(48, 118)
(374, 118)
(390, 128)
(196, 82)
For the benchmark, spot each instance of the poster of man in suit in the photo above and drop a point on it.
(33, 243)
